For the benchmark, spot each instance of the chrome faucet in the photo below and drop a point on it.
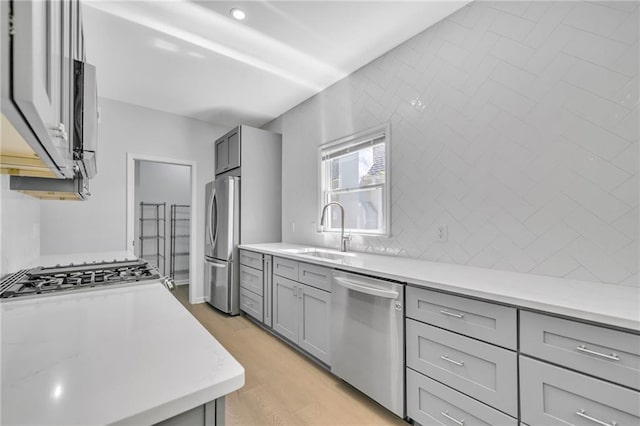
(343, 239)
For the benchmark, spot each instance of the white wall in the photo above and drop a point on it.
(99, 224)
(163, 183)
(19, 229)
(513, 123)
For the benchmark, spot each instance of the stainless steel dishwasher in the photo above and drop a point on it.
(367, 337)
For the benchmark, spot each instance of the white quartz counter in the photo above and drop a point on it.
(614, 305)
(130, 355)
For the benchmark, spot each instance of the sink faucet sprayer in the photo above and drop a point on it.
(343, 239)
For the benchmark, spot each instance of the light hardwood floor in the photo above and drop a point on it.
(282, 387)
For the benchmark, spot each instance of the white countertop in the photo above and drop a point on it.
(129, 355)
(615, 305)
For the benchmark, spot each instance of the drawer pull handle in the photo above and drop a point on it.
(584, 415)
(451, 314)
(321, 276)
(458, 363)
(453, 419)
(612, 357)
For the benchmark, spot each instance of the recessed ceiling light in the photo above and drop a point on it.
(238, 14)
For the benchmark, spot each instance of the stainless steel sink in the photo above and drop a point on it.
(326, 255)
(320, 253)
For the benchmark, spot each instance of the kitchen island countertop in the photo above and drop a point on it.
(610, 304)
(129, 355)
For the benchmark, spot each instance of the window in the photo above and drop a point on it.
(354, 171)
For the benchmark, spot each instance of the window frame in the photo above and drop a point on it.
(353, 140)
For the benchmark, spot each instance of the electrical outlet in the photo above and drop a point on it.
(442, 233)
(293, 227)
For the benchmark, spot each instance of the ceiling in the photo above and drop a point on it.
(193, 59)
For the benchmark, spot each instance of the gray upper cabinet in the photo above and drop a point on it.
(37, 101)
(228, 151)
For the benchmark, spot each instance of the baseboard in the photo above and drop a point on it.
(198, 300)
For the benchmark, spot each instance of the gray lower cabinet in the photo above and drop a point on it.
(432, 403)
(480, 370)
(301, 314)
(251, 304)
(209, 414)
(285, 307)
(252, 279)
(314, 321)
(286, 268)
(602, 352)
(462, 364)
(481, 320)
(252, 292)
(256, 286)
(556, 396)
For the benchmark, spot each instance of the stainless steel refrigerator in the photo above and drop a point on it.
(243, 206)
(222, 233)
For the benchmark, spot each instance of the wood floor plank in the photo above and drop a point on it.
(282, 387)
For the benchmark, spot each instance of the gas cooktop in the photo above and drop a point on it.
(52, 280)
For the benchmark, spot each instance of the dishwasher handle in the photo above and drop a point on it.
(364, 288)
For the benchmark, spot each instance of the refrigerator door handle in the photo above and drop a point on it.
(209, 217)
(214, 236)
(216, 265)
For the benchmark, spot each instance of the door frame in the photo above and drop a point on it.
(130, 237)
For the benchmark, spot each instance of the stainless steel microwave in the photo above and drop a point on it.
(85, 126)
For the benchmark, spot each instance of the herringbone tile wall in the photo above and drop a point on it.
(513, 123)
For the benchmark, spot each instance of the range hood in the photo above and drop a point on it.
(52, 189)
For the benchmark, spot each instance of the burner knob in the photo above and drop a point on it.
(168, 282)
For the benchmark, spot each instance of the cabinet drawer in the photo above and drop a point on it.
(481, 320)
(315, 276)
(432, 403)
(251, 279)
(252, 259)
(482, 371)
(285, 268)
(251, 303)
(555, 396)
(601, 352)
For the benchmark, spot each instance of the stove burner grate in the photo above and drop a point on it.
(42, 280)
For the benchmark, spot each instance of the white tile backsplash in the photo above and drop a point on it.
(513, 123)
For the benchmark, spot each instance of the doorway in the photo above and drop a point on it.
(161, 215)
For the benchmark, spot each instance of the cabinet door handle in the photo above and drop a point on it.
(458, 363)
(584, 415)
(451, 314)
(612, 357)
(453, 419)
(295, 291)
